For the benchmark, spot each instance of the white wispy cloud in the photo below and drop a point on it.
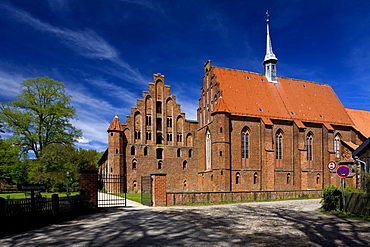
(86, 42)
(9, 84)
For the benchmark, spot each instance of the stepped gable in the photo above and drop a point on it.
(115, 125)
(361, 120)
(250, 94)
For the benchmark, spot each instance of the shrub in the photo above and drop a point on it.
(331, 198)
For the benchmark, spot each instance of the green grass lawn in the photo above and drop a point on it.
(136, 197)
(21, 195)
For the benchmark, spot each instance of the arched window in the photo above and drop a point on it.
(146, 151)
(309, 145)
(237, 178)
(185, 184)
(134, 184)
(337, 146)
(184, 164)
(288, 178)
(190, 153)
(134, 164)
(245, 143)
(208, 150)
(279, 145)
(133, 151)
(160, 165)
(178, 153)
(318, 178)
(255, 178)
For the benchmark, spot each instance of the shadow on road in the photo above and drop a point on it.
(249, 224)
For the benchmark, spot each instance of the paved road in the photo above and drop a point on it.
(289, 223)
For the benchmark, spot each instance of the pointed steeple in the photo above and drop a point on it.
(270, 58)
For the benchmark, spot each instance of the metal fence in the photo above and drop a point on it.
(39, 208)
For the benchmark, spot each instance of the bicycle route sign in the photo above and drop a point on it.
(343, 171)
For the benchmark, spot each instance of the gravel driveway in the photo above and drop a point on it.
(289, 223)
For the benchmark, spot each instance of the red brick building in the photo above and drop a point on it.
(254, 132)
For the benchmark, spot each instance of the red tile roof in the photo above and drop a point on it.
(361, 119)
(115, 125)
(250, 94)
(221, 106)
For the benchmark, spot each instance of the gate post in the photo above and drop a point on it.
(159, 190)
(89, 186)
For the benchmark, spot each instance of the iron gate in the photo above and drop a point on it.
(112, 190)
(146, 190)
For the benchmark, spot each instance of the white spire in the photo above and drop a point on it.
(270, 58)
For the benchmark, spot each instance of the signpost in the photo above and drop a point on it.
(331, 165)
(343, 172)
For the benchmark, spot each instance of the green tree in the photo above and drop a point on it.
(58, 159)
(13, 169)
(40, 116)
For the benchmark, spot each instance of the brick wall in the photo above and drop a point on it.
(178, 198)
(89, 186)
(159, 190)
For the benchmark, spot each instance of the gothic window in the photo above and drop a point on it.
(279, 145)
(146, 151)
(309, 145)
(318, 178)
(208, 150)
(148, 136)
(134, 164)
(133, 151)
(288, 178)
(134, 184)
(159, 153)
(245, 143)
(237, 178)
(178, 152)
(337, 146)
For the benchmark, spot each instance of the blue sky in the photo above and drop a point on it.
(106, 51)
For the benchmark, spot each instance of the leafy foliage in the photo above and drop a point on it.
(58, 159)
(331, 198)
(40, 116)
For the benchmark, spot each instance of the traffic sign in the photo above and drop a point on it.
(343, 171)
(331, 165)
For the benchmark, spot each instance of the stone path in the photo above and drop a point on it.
(289, 223)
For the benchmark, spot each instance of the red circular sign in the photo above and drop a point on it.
(343, 171)
(331, 165)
